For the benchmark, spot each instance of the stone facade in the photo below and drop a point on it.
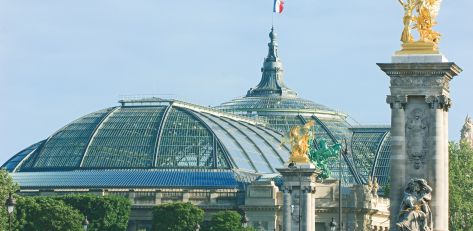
(419, 103)
(362, 209)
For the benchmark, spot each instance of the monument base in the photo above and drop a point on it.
(418, 48)
(419, 58)
(299, 196)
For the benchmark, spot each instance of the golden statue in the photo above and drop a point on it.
(298, 138)
(424, 19)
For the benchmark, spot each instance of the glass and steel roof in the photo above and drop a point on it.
(242, 135)
(128, 179)
(156, 134)
(273, 102)
(371, 148)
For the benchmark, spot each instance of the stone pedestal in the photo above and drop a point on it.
(299, 196)
(419, 128)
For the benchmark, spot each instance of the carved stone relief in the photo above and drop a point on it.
(417, 131)
(420, 82)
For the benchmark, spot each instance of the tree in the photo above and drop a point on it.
(227, 221)
(105, 213)
(7, 186)
(45, 213)
(461, 186)
(177, 217)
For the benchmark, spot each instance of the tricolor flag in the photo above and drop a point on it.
(278, 6)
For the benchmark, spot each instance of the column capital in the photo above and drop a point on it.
(397, 101)
(439, 102)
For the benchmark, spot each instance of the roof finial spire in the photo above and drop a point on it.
(272, 83)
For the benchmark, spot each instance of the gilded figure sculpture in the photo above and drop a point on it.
(420, 15)
(298, 138)
(305, 150)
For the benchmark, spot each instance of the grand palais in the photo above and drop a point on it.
(154, 150)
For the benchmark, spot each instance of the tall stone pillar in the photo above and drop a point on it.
(299, 196)
(419, 128)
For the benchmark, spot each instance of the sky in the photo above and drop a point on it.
(60, 60)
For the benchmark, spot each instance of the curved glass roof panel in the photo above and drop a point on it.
(382, 165)
(66, 147)
(252, 151)
(283, 123)
(271, 103)
(126, 139)
(16, 160)
(186, 142)
(365, 146)
(234, 148)
(262, 141)
(263, 160)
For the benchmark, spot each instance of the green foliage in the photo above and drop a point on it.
(177, 217)
(45, 213)
(105, 213)
(461, 186)
(227, 221)
(6, 186)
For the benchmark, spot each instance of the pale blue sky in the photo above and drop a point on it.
(60, 59)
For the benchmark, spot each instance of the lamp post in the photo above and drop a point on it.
(292, 165)
(85, 223)
(244, 220)
(10, 204)
(340, 172)
(333, 225)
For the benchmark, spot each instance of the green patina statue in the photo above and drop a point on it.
(320, 157)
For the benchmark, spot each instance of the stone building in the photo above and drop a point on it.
(154, 150)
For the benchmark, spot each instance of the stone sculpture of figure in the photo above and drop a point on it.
(416, 132)
(370, 183)
(375, 187)
(467, 131)
(299, 138)
(415, 213)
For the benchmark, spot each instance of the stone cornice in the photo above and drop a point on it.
(449, 69)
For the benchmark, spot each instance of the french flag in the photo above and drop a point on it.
(278, 6)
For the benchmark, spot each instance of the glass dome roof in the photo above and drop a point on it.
(156, 134)
(241, 136)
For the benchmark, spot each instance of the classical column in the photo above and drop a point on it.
(287, 209)
(398, 150)
(419, 122)
(308, 212)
